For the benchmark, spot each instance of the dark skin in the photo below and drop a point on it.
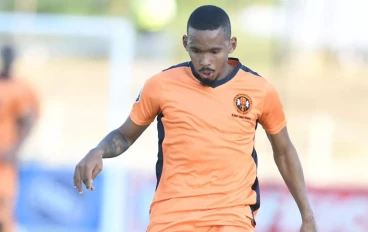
(113, 145)
(208, 51)
(288, 163)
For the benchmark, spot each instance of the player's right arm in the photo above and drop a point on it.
(119, 140)
(144, 111)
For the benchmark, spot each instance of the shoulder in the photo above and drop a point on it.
(166, 76)
(176, 72)
(177, 67)
(257, 81)
(249, 71)
(253, 78)
(169, 73)
(15, 86)
(21, 85)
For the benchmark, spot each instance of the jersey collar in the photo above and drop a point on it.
(233, 61)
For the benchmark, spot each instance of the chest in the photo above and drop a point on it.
(230, 109)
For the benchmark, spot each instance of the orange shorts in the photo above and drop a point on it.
(225, 229)
(191, 227)
(8, 192)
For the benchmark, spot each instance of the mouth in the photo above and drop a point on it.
(206, 74)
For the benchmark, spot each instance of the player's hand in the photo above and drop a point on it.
(309, 225)
(87, 170)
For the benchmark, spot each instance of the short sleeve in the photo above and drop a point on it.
(147, 104)
(273, 117)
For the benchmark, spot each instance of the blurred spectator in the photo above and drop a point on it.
(18, 112)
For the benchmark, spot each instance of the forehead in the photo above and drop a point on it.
(207, 38)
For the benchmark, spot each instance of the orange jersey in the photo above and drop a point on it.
(16, 101)
(207, 165)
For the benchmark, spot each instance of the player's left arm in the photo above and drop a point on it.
(285, 155)
(27, 111)
(25, 124)
(288, 163)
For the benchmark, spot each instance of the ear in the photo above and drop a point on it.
(185, 42)
(233, 44)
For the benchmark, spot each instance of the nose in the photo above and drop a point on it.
(205, 60)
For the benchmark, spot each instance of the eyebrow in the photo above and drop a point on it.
(211, 49)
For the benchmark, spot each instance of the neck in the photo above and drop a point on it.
(5, 72)
(226, 71)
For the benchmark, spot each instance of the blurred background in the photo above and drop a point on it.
(86, 61)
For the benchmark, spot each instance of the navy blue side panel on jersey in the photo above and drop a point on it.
(184, 64)
(255, 186)
(246, 69)
(160, 159)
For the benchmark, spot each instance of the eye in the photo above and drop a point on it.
(194, 50)
(215, 52)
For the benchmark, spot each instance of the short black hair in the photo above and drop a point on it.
(8, 54)
(209, 17)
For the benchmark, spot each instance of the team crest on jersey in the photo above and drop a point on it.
(242, 103)
(139, 96)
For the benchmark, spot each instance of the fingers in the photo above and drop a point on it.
(87, 177)
(82, 174)
(86, 174)
(96, 171)
(77, 180)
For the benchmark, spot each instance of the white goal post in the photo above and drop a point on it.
(120, 35)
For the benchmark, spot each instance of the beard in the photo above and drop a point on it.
(207, 82)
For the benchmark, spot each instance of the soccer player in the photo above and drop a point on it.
(18, 111)
(207, 113)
